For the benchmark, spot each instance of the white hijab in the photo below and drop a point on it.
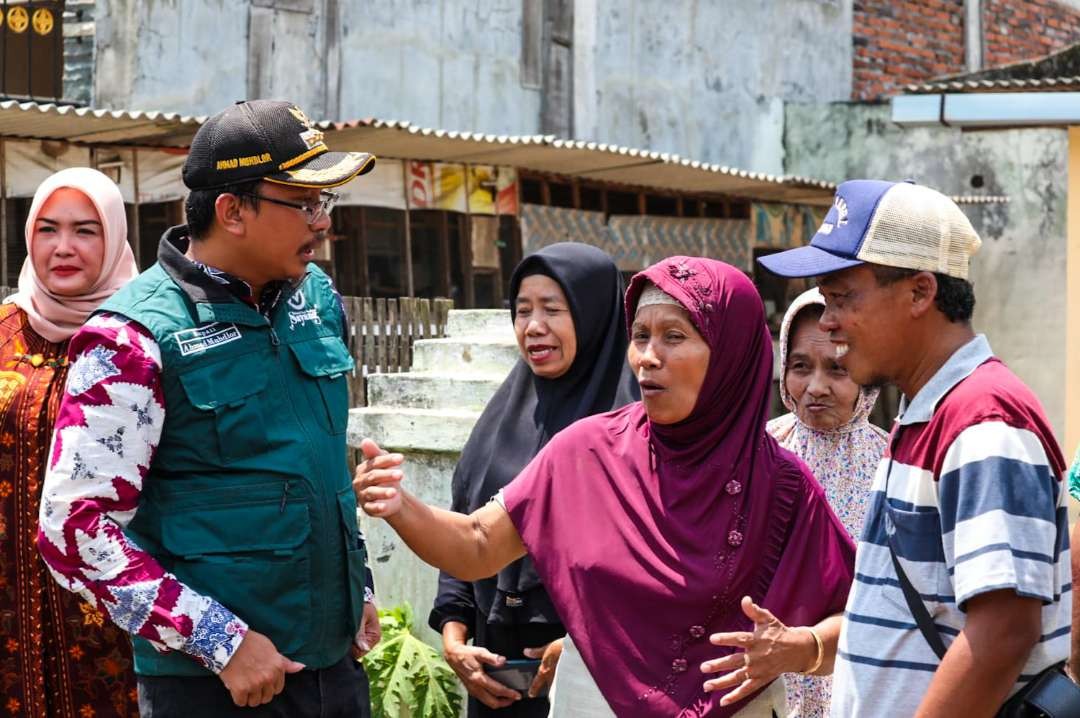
(57, 317)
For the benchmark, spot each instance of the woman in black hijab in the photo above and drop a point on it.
(568, 319)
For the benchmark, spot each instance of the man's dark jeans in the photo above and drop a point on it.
(340, 691)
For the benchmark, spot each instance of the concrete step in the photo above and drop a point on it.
(417, 390)
(475, 354)
(472, 322)
(396, 429)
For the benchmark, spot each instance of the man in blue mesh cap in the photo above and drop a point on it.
(962, 572)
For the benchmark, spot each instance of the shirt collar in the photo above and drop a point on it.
(959, 366)
(209, 284)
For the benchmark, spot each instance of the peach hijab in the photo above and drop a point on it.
(56, 317)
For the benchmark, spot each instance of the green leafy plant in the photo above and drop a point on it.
(409, 679)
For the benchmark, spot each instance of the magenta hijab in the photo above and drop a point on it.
(57, 317)
(648, 536)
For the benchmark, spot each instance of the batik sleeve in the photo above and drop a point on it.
(109, 425)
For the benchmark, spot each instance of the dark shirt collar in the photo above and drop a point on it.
(204, 283)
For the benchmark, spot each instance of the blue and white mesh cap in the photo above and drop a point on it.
(896, 224)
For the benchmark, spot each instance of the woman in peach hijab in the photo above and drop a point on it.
(58, 656)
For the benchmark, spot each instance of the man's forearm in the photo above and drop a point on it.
(1001, 630)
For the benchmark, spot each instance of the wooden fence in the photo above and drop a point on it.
(382, 334)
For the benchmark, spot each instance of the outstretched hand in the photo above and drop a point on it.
(771, 649)
(377, 482)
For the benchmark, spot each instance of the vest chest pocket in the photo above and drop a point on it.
(327, 361)
(226, 394)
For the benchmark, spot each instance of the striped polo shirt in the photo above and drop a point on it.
(975, 504)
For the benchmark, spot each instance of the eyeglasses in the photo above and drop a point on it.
(313, 212)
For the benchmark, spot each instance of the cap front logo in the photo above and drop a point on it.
(840, 205)
(301, 117)
(311, 136)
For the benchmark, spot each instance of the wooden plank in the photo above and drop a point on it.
(405, 314)
(532, 43)
(380, 328)
(424, 327)
(556, 111)
(358, 351)
(369, 334)
(393, 355)
(260, 50)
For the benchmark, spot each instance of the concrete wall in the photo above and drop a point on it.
(188, 57)
(705, 80)
(708, 80)
(437, 63)
(1019, 273)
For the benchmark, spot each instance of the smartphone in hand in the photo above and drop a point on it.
(518, 674)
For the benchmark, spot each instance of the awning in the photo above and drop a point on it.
(402, 140)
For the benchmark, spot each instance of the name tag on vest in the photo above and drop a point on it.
(193, 341)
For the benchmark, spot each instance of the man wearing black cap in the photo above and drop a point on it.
(197, 493)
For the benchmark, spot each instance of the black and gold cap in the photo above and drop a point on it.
(269, 140)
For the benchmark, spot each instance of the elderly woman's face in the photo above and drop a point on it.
(669, 359)
(67, 247)
(544, 326)
(823, 393)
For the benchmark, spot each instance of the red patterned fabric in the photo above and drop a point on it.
(59, 656)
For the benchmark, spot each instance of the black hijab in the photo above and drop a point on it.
(528, 410)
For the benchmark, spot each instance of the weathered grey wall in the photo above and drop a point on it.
(707, 80)
(186, 56)
(437, 63)
(1019, 273)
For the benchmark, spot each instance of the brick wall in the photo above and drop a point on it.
(898, 42)
(907, 41)
(1015, 31)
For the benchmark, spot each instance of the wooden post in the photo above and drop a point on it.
(1072, 297)
(362, 269)
(409, 287)
(136, 236)
(444, 254)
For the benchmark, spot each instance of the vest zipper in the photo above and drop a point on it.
(284, 496)
(274, 337)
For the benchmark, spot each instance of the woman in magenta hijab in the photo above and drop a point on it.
(650, 524)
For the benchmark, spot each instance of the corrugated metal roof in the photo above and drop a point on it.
(403, 140)
(1047, 84)
(83, 124)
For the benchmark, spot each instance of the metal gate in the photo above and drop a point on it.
(32, 49)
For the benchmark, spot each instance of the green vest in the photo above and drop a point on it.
(248, 498)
